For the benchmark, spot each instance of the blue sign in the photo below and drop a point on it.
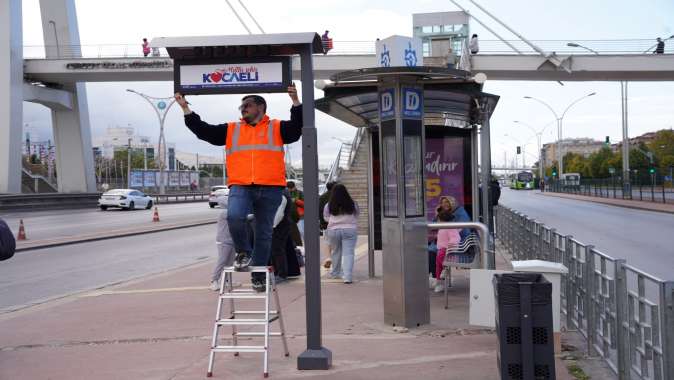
(385, 57)
(412, 103)
(387, 104)
(161, 105)
(410, 56)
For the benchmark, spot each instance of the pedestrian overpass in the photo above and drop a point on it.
(54, 75)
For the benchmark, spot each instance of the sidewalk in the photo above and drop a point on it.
(160, 328)
(639, 205)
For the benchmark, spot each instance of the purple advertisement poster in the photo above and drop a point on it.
(444, 169)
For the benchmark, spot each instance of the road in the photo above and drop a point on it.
(644, 238)
(33, 277)
(63, 223)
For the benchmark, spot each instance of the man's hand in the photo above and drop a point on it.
(292, 91)
(180, 99)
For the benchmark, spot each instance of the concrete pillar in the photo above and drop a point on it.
(11, 95)
(72, 132)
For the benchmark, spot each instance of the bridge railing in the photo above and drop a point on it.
(625, 314)
(625, 46)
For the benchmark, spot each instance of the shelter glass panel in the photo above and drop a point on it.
(389, 163)
(412, 161)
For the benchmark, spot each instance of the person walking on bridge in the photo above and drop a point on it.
(255, 171)
(660, 47)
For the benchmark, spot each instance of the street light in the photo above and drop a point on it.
(160, 107)
(624, 120)
(559, 119)
(573, 44)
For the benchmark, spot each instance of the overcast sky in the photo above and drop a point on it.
(127, 22)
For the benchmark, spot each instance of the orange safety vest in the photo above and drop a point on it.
(255, 153)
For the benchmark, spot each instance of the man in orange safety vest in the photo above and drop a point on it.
(255, 171)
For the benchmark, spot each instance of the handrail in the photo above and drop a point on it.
(332, 174)
(625, 46)
(355, 145)
(482, 230)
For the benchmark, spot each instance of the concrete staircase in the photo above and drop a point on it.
(355, 180)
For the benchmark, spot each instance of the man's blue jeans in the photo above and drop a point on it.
(261, 201)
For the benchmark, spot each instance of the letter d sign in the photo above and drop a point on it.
(386, 102)
(411, 101)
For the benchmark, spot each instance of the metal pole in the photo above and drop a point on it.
(485, 165)
(627, 188)
(560, 157)
(128, 165)
(161, 155)
(315, 356)
(370, 207)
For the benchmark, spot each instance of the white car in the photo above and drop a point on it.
(217, 191)
(128, 199)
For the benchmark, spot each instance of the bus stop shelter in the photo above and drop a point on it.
(428, 132)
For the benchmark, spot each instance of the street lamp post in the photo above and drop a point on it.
(627, 188)
(560, 119)
(160, 107)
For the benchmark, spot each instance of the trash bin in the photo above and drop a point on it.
(524, 326)
(552, 272)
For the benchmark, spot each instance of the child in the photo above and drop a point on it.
(447, 238)
(224, 243)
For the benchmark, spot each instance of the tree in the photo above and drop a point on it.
(663, 148)
(599, 162)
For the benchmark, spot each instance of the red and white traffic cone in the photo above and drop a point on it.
(22, 231)
(155, 217)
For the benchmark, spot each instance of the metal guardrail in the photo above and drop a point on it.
(657, 190)
(625, 314)
(625, 46)
(180, 197)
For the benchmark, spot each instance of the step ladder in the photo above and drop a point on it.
(250, 317)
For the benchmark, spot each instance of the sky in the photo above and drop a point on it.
(126, 22)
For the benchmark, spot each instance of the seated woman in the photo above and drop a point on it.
(447, 238)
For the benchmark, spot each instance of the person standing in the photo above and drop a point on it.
(224, 244)
(255, 169)
(327, 42)
(322, 201)
(473, 45)
(146, 47)
(341, 212)
(297, 197)
(279, 237)
(660, 47)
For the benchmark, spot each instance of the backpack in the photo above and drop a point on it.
(7, 242)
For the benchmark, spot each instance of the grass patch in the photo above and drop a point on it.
(577, 372)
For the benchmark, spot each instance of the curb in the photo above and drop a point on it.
(41, 244)
(600, 201)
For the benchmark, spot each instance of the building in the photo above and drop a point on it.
(438, 31)
(645, 139)
(583, 146)
(118, 138)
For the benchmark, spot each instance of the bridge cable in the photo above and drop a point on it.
(251, 16)
(239, 17)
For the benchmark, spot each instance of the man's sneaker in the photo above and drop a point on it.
(242, 261)
(439, 288)
(258, 285)
(215, 286)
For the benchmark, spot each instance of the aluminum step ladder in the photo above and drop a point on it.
(250, 317)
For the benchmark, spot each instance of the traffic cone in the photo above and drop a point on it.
(22, 231)
(155, 217)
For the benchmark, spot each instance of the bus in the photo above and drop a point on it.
(523, 180)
